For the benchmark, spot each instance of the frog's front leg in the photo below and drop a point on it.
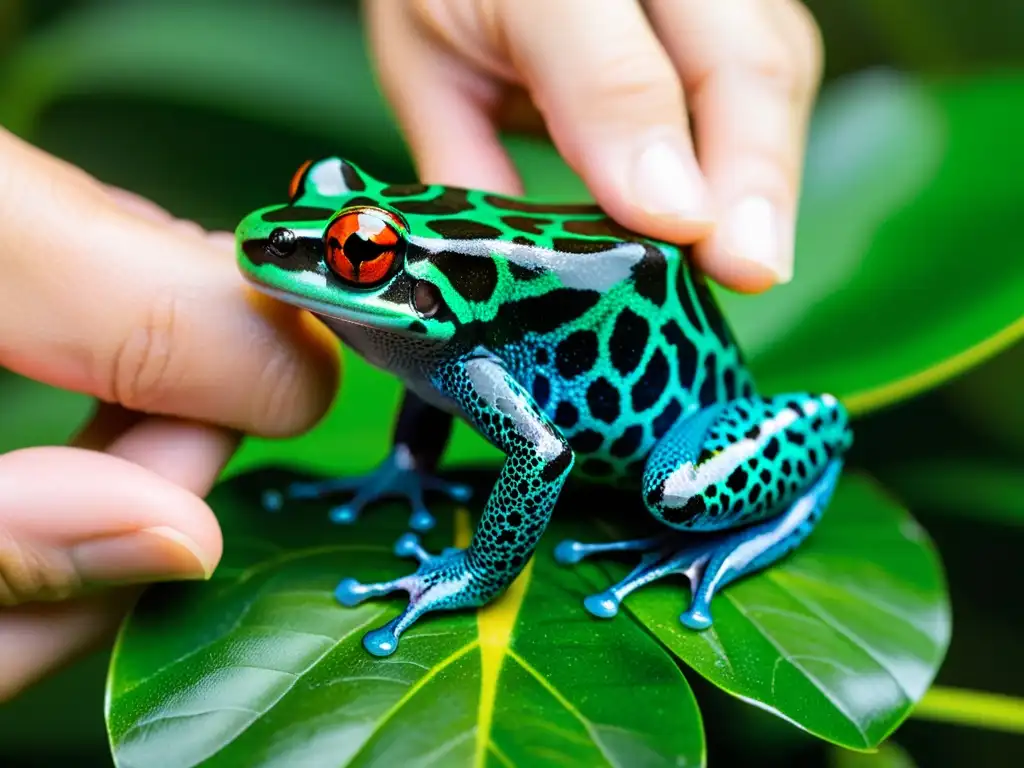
(742, 484)
(421, 434)
(538, 460)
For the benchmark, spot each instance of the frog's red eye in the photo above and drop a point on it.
(295, 185)
(361, 246)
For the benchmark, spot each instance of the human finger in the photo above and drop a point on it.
(101, 300)
(751, 69)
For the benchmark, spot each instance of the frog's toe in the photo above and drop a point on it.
(351, 593)
(570, 552)
(697, 617)
(421, 520)
(442, 582)
(381, 642)
(272, 500)
(343, 514)
(603, 605)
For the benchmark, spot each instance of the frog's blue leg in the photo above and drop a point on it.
(750, 479)
(421, 435)
(538, 460)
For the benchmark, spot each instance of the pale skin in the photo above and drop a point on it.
(108, 295)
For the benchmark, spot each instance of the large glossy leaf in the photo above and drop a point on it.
(261, 666)
(842, 638)
(908, 268)
(890, 755)
(965, 487)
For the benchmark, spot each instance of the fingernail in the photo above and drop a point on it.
(147, 555)
(752, 231)
(668, 181)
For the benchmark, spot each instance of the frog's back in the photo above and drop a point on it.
(615, 335)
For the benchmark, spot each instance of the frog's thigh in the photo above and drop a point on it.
(744, 461)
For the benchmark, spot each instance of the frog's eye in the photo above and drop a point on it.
(361, 246)
(296, 184)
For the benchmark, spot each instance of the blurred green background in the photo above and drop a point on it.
(912, 208)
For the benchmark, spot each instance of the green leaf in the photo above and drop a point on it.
(241, 58)
(964, 487)
(36, 414)
(842, 638)
(889, 755)
(261, 665)
(908, 268)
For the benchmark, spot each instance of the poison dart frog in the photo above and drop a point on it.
(570, 343)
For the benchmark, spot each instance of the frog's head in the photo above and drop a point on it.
(334, 249)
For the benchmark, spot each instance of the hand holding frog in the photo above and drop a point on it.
(117, 300)
(615, 82)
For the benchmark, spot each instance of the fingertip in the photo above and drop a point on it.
(736, 274)
(752, 248)
(108, 521)
(302, 374)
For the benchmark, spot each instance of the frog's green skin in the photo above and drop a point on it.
(572, 345)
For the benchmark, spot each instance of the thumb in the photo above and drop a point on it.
(72, 520)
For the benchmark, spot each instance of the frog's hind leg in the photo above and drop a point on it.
(743, 484)
(421, 434)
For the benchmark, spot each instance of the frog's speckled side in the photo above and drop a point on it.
(571, 344)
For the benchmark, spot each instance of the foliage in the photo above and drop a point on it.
(908, 278)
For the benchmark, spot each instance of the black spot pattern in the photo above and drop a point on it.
(298, 213)
(683, 279)
(709, 389)
(524, 274)
(604, 227)
(524, 206)
(603, 400)
(404, 190)
(665, 420)
(474, 279)
(650, 276)
(628, 341)
(566, 415)
(529, 224)
(451, 201)
(711, 311)
(576, 354)
(352, 178)
(648, 388)
(362, 202)
(737, 480)
(541, 390)
(628, 442)
(464, 229)
(581, 245)
(540, 314)
(686, 351)
(586, 441)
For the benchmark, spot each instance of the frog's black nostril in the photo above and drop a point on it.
(426, 298)
(281, 242)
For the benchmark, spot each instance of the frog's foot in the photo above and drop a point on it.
(713, 562)
(398, 476)
(443, 582)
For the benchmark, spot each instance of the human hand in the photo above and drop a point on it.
(105, 294)
(614, 88)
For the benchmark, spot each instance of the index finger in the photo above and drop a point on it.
(130, 310)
